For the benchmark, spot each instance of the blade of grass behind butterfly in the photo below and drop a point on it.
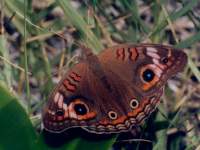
(32, 28)
(161, 142)
(162, 134)
(158, 14)
(173, 16)
(133, 8)
(133, 29)
(6, 72)
(5, 75)
(189, 41)
(78, 22)
(183, 44)
(121, 36)
(15, 6)
(186, 43)
(177, 139)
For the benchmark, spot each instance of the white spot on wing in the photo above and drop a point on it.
(156, 61)
(169, 53)
(60, 101)
(51, 112)
(66, 110)
(65, 106)
(72, 113)
(151, 49)
(56, 97)
(158, 72)
(156, 69)
(153, 55)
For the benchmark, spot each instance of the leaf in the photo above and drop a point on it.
(16, 130)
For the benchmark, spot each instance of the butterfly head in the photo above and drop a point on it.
(159, 64)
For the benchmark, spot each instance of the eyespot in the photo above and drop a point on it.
(81, 108)
(134, 103)
(60, 112)
(112, 115)
(148, 75)
(164, 60)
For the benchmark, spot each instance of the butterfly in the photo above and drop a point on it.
(114, 91)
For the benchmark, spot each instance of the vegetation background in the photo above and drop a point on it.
(37, 44)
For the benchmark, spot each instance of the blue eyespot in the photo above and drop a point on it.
(148, 75)
(80, 109)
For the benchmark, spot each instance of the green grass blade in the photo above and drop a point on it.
(194, 69)
(26, 61)
(15, 6)
(173, 16)
(162, 134)
(6, 74)
(77, 20)
(189, 41)
(186, 43)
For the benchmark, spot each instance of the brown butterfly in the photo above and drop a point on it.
(113, 91)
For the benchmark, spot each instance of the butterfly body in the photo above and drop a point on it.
(113, 91)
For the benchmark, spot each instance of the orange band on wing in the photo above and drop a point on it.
(147, 86)
(104, 122)
(119, 120)
(89, 115)
(135, 112)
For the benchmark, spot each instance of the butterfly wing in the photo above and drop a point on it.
(137, 74)
(113, 92)
(80, 99)
(67, 107)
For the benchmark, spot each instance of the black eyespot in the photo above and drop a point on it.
(148, 75)
(112, 115)
(80, 109)
(134, 103)
(60, 112)
(164, 60)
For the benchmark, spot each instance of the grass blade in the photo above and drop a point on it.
(77, 20)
